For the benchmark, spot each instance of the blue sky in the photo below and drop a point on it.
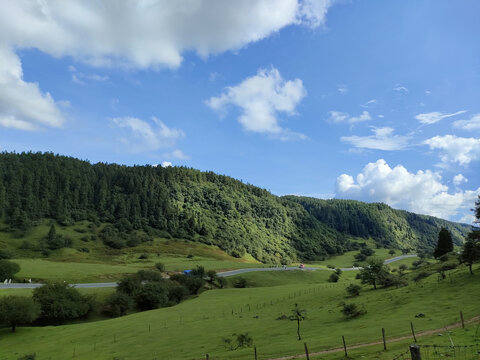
(370, 100)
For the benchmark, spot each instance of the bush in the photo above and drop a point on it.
(149, 275)
(160, 266)
(129, 285)
(8, 269)
(28, 357)
(151, 296)
(351, 311)
(240, 283)
(60, 302)
(117, 304)
(333, 278)
(421, 275)
(143, 256)
(353, 290)
(177, 292)
(5, 254)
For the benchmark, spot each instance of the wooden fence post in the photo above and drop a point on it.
(415, 352)
(344, 346)
(413, 332)
(384, 341)
(255, 351)
(306, 350)
(207, 357)
(463, 321)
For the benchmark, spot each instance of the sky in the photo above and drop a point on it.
(372, 100)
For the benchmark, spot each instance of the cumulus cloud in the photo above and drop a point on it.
(421, 192)
(455, 149)
(338, 117)
(141, 135)
(400, 89)
(382, 139)
(165, 164)
(136, 34)
(472, 124)
(459, 179)
(23, 106)
(434, 117)
(261, 99)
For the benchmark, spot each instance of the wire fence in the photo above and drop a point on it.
(437, 352)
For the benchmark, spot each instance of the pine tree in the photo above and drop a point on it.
(445, 243)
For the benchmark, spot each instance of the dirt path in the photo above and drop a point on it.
(389, 341)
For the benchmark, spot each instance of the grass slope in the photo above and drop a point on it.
(196, 327)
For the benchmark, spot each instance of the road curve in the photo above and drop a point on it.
(221, 274)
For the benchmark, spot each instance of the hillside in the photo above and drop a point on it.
(379, 221)
(127, 206)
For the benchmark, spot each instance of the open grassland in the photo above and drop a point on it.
(348, 259)
(197, 326)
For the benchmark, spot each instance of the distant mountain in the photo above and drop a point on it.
(199, 206)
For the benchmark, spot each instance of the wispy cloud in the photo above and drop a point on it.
(436, 116)
(342, 88)
(400, 89)
(339, 117)
(382, 139)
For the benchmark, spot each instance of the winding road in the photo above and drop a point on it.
(221, 274)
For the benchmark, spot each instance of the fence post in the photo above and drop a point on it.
(207, 357)
(344, 346)
(255, 351)
(413, 332)
(461, 317)
(415, 352)
(384, 341)
(306, 350)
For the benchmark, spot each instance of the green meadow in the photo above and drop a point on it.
(197, 326)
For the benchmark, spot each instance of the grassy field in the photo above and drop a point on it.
(197, 326)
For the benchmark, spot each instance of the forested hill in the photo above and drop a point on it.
(139, 202)
(380, 222)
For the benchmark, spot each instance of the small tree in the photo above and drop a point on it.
(444, 244)
(298, 315)
(8, 269)
(392, 252)
(117, 304)
(18, 310)
(373, 273)
(351, 311)
(333, 278)
(160, 266)
(471, 250)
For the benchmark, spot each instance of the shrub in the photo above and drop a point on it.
(160, 266)
(143, 256)
(5, 254)
(8, 269)
(240, 283)
(151, 296)
(117, 304)
(333, 278)
(353, 290)
(28, 357)
(60, 302)
(129, 285)
(351, 311)
(149, 275)
(421, 275)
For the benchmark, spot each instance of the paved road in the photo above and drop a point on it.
(221, 274)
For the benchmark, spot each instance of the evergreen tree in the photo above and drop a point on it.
(444, 244)
(471, 249)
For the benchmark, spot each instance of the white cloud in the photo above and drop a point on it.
(141, 135)
(455, 149)
(421, 192)
(428, 92)
(79, 77)
(149, 33)
(23, 106)
(165, 164)
(458, 179)
(470, 125)
(138, 34)
(370, 103)
(400, 89)
(338, 117)
(435, 116)
(342, 88)
(382, 139)
(261, 98)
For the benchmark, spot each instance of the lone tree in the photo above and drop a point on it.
(471, 249)
(444, 244)
(18, 310)
(374, 273)
(8, 269)
(298, 315)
